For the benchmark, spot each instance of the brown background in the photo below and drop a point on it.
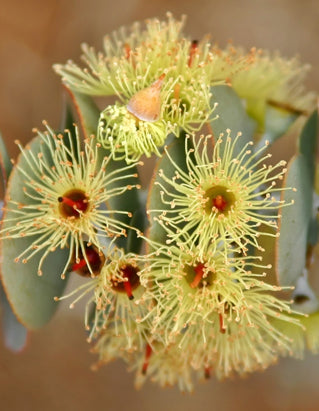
(53, 372)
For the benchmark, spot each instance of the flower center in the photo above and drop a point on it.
(198, 277)
(73, 203)
(220, 200)
(129, 272)
(95, 260)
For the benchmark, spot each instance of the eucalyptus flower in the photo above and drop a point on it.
(270, 79)
(161, 79)
(196, 290)
(164, 365)
(115, 302)
(66, 190)
(218, 194)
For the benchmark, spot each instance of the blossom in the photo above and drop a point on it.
(116, 296)
(66, 189)
(219, 195)
(134, 58)
(165, 365)
(270, 79)
(161, 79)
(203, 298)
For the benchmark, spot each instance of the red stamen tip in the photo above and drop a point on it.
(207, 373)
(128, 290)
(222, 328)
(192, 52)
(219, 202)
(80, 264)
(199, 272)
(148, 353)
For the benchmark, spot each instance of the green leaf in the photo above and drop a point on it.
(134, 243)
(308, 142)
(295, 219)
(5, 163)
(277, 123)
(31, 297)
(231, 115)
(87, 111)
(176, 150)
(15, 334)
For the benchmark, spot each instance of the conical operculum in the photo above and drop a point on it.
(146, 104)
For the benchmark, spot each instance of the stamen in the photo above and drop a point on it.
(192, 52)
(127, 50)
(148, 353)
(128, 290)
(73, 203)
(207, 373)
(222, 328)
(95, 260)
(129, 272)
(219, 202)
(199, 270)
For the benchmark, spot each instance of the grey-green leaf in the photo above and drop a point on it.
(277, 123)
(5, 163)
(15, 334)
(87, 111)
(295, 219)
(176, 151)
(231, 115)
(308, 142)
(31, 297)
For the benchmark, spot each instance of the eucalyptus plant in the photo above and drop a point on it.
(205, 271)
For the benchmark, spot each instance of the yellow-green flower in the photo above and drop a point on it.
(161, 78)
(270, 79)
(218, 194)
(65, 195)
(209, 291)
(117, 300)
(128, 137)
(164, 365)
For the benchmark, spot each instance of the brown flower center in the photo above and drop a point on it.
(129, 272)
(220, 199)
(197, 276)
(73, 203)
(95, 259)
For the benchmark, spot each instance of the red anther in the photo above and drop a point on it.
(199, 272)
(80, 264)
(222, 328)
(92, 257)
(148, 353)
(78, 205)
(91, 264)
(128, 289)
(128, 50)
(73, 203)
(207, 373)
(219, 202)
(130, 280)
(192, 52)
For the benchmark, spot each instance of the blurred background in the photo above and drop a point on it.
(53, 372)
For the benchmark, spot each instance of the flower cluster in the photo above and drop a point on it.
(192, 294)
(160, 78)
